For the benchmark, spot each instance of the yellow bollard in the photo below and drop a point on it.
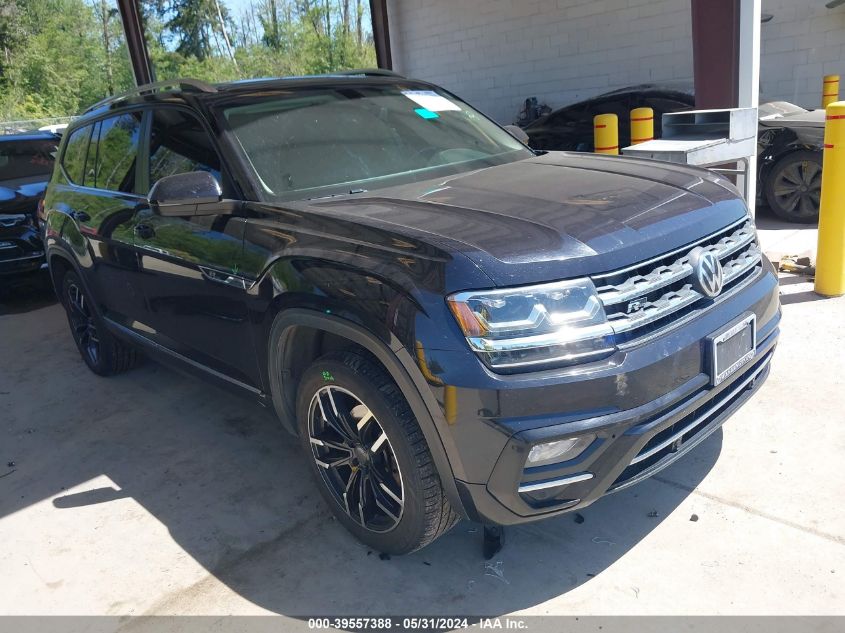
(830, 261)
(642, 125)
(830, 90)
(606, 134)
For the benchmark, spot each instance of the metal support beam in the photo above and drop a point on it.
(133, 28)
(748, 81)
(726, 62)
(381, 33)
(715, 49)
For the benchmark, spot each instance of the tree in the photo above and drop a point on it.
(106, 15)
(9, 39)
(59, 56)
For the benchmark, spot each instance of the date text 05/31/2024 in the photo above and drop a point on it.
(421, 623)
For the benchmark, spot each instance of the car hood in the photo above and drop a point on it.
(554, 216)
(21, 198)
(812, 118)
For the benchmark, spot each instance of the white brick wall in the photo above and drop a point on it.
(495, 53)
(803, 42)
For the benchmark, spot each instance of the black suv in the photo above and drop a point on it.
(26, 163)
(452, 324)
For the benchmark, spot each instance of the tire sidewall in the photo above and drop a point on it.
(411, 527)
(777, 167)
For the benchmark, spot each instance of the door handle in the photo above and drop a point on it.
(227, 279)
(80, 216)
(144, 231)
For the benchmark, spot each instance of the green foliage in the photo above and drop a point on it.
(59, 56)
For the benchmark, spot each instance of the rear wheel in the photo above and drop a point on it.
(104, 354)
(369, 455)
(794, 185)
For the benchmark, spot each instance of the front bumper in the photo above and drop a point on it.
(626, 450)
(673, 407)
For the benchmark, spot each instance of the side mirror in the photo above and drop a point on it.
(191, 193)
(518, 133)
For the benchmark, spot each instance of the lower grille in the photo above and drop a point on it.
(8, 221)
(690, 429)
(10, 252)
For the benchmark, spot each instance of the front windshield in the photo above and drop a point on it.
(344, 139)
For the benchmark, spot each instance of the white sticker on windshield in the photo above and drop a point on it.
(430, 100)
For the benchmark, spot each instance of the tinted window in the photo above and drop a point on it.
(89, 175)
(661, 106)
(117, 153)
(180, 144)
(568, 116)
(76, 149)
(26, 159)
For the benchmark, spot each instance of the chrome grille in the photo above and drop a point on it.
(656, 294)
(8, 221)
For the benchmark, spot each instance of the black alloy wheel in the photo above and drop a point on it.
(82, 322)
(368, 453)
(356, 459)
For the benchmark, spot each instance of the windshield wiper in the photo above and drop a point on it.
(335, 195)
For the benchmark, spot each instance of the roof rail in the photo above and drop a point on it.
(369, 72)
(186, 85)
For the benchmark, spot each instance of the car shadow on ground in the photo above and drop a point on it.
(19, 295)
(233, 491)
(765, 219)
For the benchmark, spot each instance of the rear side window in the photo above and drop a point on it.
(117, 153)
(179, 144)
(76, 149)
(26, 160)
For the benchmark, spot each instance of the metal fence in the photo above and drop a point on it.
(16, 127)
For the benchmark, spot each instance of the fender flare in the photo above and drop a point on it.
(394, 358)
(56, 251)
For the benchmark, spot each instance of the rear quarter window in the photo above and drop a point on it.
(76, 151)
(117, 153)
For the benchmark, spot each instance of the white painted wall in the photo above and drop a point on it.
(495, 53)
(803, 42)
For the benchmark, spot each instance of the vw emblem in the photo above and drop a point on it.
(707, 275)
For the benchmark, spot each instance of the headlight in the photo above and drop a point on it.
(548, 325)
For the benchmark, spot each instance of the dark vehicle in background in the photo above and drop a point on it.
(790, 141)
(26, 165)
(570, 128)
(453, 325)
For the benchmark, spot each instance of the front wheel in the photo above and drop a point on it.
(794, 185)
(372, 463)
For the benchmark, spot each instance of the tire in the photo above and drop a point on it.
(104, 354)
(405, 506)
(793, 187)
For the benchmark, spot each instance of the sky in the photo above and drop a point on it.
(236, 6)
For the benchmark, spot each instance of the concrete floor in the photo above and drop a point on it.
(154, 493)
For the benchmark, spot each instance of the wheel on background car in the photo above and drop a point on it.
(104, 354)
(794, 185)
(371, 461)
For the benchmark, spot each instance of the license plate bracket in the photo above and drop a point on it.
(732, 347)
